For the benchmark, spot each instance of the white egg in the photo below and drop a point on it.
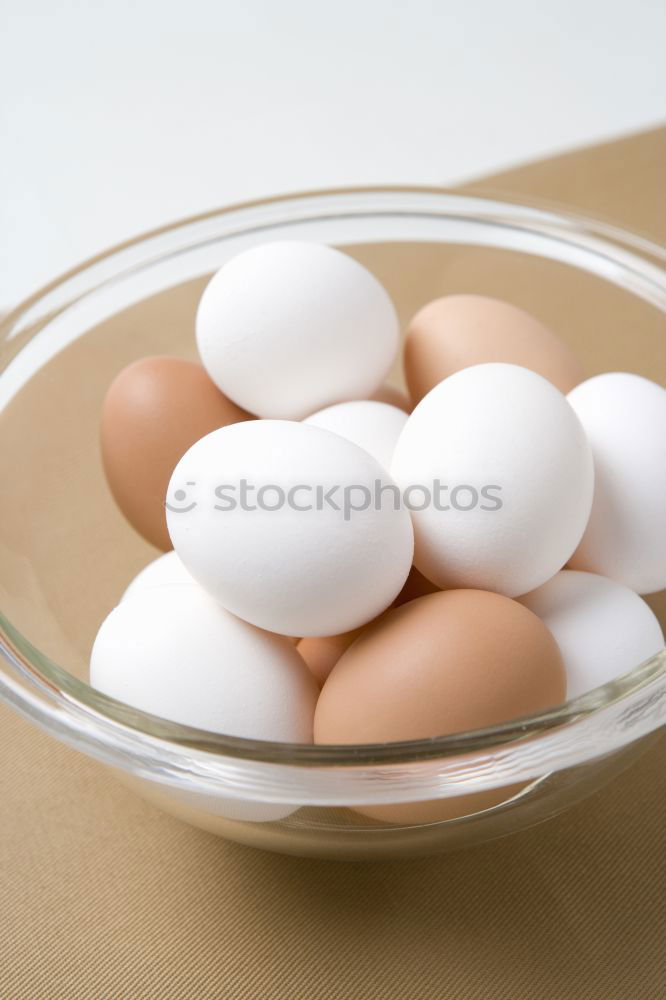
(498, 473)
(173, 652)
(371, 425)
(624, 417)
(290, 527)
(161, 572)
(286, 328)
(603, 629)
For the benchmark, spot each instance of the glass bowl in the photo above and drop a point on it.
(67, 553)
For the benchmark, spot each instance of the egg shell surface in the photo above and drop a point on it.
(291, 556)
(173, 652)
(441, 664)
(288, 327)
(517, 474)
(603, 629)
(457, 331)
(624, 417)
(154, 410)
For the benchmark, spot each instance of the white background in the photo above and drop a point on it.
(120, 116)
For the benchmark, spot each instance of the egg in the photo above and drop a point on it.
(289, 327)
(462, 330)
(370, 424)
(624, 417)
(602, 628)
(498, 474)
(161, 572)
(173, 652)
(278, 520)
(442, 664)
(153, 411)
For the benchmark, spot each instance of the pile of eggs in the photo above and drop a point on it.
(345, 563)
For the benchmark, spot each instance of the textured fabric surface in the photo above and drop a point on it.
(104, 897)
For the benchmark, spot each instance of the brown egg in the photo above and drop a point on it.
(444, 663)
(463, 330)
(155, 409)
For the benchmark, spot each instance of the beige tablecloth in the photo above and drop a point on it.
(102, 896)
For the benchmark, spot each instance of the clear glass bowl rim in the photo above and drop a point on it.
(596, 723)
